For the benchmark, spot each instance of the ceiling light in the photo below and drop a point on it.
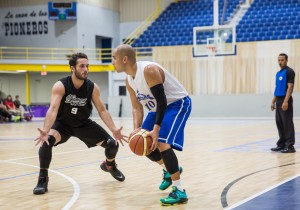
(21, 71)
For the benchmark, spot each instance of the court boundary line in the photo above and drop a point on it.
(59, 153)
(75, 185)
(226, 189)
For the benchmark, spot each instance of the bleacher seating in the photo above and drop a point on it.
(175, 25)
(264, 20)
(270, 20)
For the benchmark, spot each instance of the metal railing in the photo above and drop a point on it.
(144, 25)
(103, 55)
(141, 28)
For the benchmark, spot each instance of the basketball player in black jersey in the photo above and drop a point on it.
(68, 115)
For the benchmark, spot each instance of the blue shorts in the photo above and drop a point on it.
(172, 127)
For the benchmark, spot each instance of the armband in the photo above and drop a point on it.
(161, 100)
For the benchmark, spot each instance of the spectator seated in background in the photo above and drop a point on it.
(11, 107)
(4, 115)
(17, 103)
(26, 115)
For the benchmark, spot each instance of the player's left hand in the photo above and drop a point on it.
(154, 135)
(42, 138)
(119, 136)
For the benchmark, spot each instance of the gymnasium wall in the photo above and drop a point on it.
(251, 71)
(111, 4)
(134, 12)
(110, 19)
(40, 86)
(13, 84)
(28, 26)
(139, 10)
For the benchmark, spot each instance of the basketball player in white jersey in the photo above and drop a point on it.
(169, 105)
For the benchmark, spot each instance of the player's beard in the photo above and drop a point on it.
(79, 76)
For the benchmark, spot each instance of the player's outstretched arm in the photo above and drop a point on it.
(58, 91)
(105, 115)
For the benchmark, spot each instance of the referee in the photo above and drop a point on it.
(283, 103)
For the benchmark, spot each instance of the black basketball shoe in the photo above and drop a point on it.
(116, 173)
(277, 149)
(288, 150)
(42, 186)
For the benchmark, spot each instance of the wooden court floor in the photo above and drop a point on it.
(225, 161)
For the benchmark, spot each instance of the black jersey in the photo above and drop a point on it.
(76, 105)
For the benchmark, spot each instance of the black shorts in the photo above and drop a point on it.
(91, 133)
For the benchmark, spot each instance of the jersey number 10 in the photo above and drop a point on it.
(150, 105)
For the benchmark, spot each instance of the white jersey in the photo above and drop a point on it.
(173, 88)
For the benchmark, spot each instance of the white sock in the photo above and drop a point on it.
(177, 183)
(164, 167)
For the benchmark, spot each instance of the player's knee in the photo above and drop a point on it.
(45, 152)
(45, 148)
(170, 160)
(155, 155)
(111, 148)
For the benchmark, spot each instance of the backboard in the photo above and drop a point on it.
(214, 41)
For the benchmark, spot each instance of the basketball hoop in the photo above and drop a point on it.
(211, 50)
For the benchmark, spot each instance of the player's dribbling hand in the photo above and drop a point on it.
(42, 138)
(119, 136)
(154, 136)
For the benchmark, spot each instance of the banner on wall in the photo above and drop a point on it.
(25, 23)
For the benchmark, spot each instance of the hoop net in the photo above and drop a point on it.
(211, 50)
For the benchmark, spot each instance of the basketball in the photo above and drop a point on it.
(139, 143)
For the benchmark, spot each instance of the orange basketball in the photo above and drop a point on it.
(139, 143)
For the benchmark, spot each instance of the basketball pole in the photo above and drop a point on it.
(216, 12)
(216, 17)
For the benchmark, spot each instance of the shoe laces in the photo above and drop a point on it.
(42, 180)
(113, 168)
(173, 194)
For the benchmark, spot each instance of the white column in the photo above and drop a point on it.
(216, 12)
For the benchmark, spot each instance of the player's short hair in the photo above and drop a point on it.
(285, 55)
(74, 57)
(127, 50)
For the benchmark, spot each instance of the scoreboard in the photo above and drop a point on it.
(62, 11)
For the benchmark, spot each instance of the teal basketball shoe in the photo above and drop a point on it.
(167, 181)
(174, 198)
